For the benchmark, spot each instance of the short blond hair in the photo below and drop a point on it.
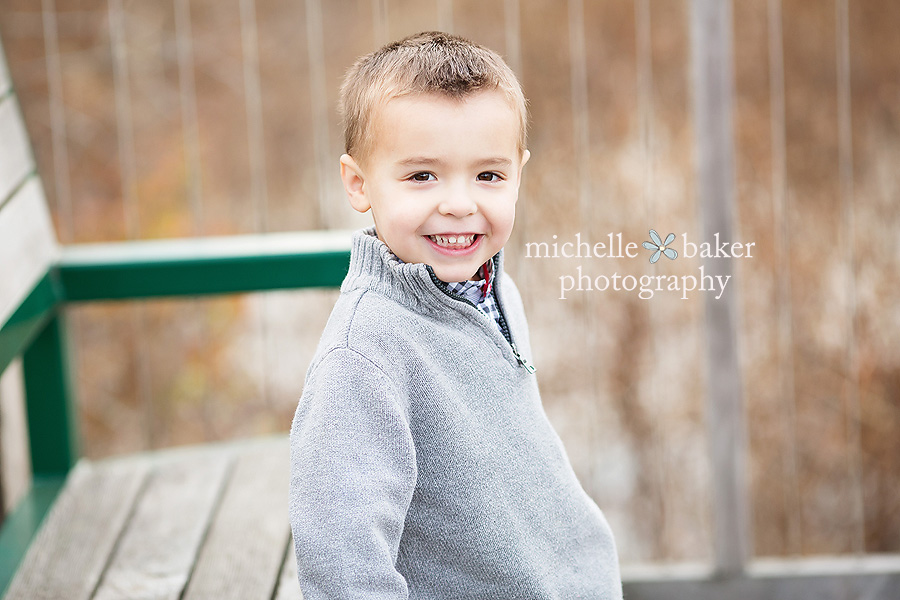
(431, 62)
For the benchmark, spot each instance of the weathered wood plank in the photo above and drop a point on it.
(16, 160)
(288, 584)
(711, 31)
(70, 552)
(156, 554)
(244, 550)
(27, 243)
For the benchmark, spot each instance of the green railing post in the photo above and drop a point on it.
(51, 414)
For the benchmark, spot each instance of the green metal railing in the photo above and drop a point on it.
(129, 271)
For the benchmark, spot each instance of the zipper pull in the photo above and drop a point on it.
(528, 366)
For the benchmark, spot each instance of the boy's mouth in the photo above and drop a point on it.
(454, 242)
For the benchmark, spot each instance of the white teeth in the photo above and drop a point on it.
(449, 240)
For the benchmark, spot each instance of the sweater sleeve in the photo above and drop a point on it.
(353, 471)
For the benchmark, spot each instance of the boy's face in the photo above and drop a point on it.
(442, 179)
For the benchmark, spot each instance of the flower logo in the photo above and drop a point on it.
(660, 246)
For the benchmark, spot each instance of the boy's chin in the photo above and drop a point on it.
(454, 274)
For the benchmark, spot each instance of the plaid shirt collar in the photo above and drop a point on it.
(479, 292)
(476, 291)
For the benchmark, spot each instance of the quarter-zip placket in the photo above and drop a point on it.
(504, 327)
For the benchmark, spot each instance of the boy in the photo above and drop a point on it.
(423, 465)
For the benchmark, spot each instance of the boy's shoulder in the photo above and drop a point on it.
(366, 323)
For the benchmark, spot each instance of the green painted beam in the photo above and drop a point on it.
(52, 422)
(22, 524)
(147, 269)
(29, 319)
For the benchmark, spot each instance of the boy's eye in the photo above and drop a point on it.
(489, 176)
(422, 177)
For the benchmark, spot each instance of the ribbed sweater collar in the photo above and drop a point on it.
(374, 267)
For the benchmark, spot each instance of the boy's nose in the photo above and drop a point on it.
(457, 203)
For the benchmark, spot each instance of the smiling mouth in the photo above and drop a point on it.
(454, 242)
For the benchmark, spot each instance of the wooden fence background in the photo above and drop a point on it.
(202, 117)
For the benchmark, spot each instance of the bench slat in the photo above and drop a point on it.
(288, 584)
(29, 244)
(69, 553)
(156, 554)
(244, 550)
(15, 153)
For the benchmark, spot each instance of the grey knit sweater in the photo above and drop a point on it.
(422, 463)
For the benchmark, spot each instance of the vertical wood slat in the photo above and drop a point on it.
(243, 553)
(380, 23)
(189, 121)
(319, 105)
(155, 556)
(124, 123)
(130, 200)
(783, 300)
(70, 551)
(580, 115)
(512, 29)
(254, 117)
(258, 183)
(645, 110)
(711, 57)
(5, 83)
(61, 179)
(644, 60)
(581, 150)
(852, 415)
(513, 32)
(445, 15)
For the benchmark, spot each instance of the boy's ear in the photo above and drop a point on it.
(525, 156)
(354, 183)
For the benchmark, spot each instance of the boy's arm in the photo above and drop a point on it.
(353, 471)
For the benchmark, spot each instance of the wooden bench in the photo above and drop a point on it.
(203, 522)
(206, 522)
